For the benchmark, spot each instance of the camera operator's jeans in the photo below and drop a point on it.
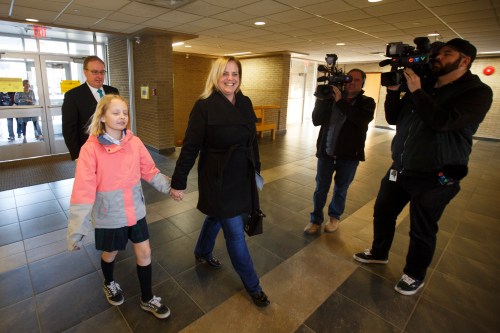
(236, 248)
(344, 175)
(428, 199)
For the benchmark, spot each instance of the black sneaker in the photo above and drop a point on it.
(156, 308)
(261, 299)
(113, 293)
(213, 262)
(408, 285)
(367, 258)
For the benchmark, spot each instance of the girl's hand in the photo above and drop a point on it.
(177, 195)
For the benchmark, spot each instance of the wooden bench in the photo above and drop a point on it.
(261, 124)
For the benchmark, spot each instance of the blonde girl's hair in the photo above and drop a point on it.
(97, 127)
(216, 73)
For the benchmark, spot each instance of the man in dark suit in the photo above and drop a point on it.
(80, 103)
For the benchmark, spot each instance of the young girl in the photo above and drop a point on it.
(107, 191)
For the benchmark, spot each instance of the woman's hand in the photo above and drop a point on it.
(177, 195)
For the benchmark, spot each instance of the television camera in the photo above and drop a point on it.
(418, 58)
(332, 76)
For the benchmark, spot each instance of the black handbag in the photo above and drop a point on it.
(254, 223)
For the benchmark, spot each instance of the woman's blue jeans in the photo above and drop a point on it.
(344, 175)
(236, 247)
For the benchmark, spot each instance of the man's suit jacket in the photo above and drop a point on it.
(78, 108)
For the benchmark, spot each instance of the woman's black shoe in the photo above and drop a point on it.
(261, 299)
(214, 262)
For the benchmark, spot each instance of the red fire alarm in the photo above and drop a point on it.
(488, 70)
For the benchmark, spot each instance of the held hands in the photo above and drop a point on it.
(177, 195)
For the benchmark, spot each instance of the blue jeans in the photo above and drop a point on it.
(19, 129)
(10, 127)
(344, 175)
(36, 126)
(236, 247)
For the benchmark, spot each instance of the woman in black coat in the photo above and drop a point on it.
(221, 129)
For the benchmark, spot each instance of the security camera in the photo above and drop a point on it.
(137, 39)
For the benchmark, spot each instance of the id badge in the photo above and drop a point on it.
(393, 175)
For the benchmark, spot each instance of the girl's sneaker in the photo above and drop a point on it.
(156, 308)
(113, 293)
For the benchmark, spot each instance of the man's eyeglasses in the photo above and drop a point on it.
(94, 72)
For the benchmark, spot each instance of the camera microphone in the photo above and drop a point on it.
(385, 62)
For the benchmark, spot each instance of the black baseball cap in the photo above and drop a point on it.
(463, 46)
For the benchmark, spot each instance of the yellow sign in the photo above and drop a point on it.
(11, 84)
(67, 85)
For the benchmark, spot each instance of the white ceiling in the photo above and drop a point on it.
(308, 28)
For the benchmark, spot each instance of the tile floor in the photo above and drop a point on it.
(312, 281)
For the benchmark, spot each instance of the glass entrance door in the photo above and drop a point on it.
(59, 74)
(30, 115)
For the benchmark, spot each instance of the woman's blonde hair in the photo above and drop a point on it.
(216, 73)
(96, 126)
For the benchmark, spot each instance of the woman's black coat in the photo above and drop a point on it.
(224, 136)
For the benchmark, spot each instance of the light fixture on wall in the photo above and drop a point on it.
(137, 39)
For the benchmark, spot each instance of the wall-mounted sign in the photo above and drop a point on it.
(144, 92)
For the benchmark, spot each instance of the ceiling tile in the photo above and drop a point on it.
(271, 7)
(140, 9)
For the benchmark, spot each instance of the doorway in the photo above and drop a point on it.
(49, 77)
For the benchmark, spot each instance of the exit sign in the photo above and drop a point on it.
(39, 31)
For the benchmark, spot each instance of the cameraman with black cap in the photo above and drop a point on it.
(344, 118)
(430, 151)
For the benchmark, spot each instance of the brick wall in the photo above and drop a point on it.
(153, 68)
(190, 75)
(489, 128)
(265, 81)
(118, 65)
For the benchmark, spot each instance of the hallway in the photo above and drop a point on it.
(312, 281)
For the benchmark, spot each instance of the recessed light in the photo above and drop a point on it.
(178, 44)
(433, 34)
(374, 0)
(31, 20)
(489, 52)
(340, 44)
(260, 23)
(187, 45)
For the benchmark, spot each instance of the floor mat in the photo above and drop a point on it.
(29, 172)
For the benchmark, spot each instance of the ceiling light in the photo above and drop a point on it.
(433, 34)
(260, 23)
(187, 45)
(490, 52)
(340, 44)
(31, 20)
(178, 44)
(374, 0)
(238, 53)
